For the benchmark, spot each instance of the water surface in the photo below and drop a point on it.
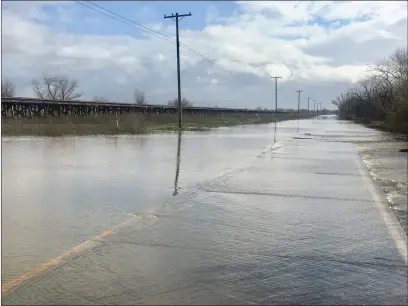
(243, 215)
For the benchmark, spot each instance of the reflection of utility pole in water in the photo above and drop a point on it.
(274, 134)
(177, 164)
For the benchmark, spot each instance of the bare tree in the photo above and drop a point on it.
(184, 102)
(7, 89)
(383, 95)
(56, 88)
(394, 68)
(139, 97)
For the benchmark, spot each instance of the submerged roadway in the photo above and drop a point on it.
(300, 222)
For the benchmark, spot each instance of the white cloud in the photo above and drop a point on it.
(145, 14)
(278, 70)
(212, 14)
(309, 44)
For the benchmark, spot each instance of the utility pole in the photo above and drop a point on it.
(299, 91)
(314, 107)
(177, 18)
(276, 91)
(308, 98)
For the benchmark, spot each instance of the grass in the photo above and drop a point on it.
(382, 125)
(72, 126)
(129, 124)
(379, 125)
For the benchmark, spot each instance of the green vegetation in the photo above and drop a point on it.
(54, 126)
(381, 100)
(130, 124)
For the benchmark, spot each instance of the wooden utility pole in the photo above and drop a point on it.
(308, 98)
(299, 91)
(318, 108)
(314, 108)
(177, 17)
(276, 91)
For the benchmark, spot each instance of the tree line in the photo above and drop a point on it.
(380, 96)
(62, 88)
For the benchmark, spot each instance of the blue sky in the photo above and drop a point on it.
(89, 22)
(143, 12)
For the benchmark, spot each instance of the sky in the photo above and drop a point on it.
(320, 47)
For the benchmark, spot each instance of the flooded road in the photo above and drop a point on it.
(56, 193)
(254, 214)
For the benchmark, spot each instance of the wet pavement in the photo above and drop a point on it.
(288, 216)
(60, 192)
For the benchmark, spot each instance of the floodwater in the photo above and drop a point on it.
(265, 214)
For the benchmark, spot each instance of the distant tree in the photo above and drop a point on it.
(184, 102)
(53, 87)
(258, 108)
(139, 97)
(7, 89)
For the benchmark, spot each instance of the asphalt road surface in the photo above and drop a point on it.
(301, 222)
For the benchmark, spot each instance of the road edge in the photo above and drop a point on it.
(391, 221)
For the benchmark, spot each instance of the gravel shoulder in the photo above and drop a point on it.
(386, 161)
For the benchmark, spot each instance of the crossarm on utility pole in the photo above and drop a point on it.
(177, 15)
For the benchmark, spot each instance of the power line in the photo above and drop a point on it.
(113, 17)
(147, 30)
(129, 20)
(206, 58)
(165, 36)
